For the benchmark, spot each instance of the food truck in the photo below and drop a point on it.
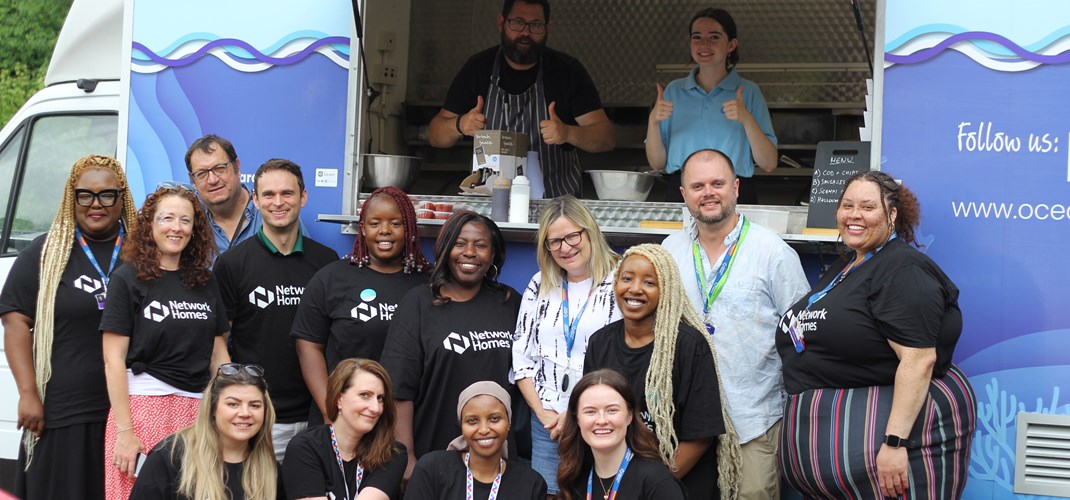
(961, 100)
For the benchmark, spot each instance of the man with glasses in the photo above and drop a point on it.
(261, 281)
(742, 278)
(523, 86)
(215, 170)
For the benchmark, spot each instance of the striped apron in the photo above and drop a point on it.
(522, 113)
(830, 439)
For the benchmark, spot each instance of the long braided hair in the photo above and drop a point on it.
(673, 308)
(413, 258)
(54, 258)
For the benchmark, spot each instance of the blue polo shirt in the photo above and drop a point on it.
(697, 121)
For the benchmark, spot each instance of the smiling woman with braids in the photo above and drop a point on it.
(50, 307)
(661, 347)
(163, 330)
(386, 262)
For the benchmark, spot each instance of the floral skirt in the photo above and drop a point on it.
(828, 448)
(153, 418)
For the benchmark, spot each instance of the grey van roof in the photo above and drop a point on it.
(90, 43)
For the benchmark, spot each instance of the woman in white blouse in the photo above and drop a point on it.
(570, 298)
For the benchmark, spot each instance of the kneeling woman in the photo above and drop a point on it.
(356, 456)
(662, 348)
(226, 453)
(603, 436)
(474, 462)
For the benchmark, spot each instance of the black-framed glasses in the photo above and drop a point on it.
(218, 170)
(518, 25)
(236, 368)
(106, 197)
(175, 185)
(573, 239)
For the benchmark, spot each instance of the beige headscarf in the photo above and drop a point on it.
(482, 388)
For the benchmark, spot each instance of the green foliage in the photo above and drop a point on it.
(28, 31)
(18, 85)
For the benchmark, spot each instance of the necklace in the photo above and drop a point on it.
(606, 490)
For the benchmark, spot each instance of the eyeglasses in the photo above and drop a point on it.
(573, 239)
(256, 371)
(218, 170)
(169, 220)
(106, 197)
(175, 185)
(518, 25)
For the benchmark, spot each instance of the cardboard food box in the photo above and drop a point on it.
(499, 151)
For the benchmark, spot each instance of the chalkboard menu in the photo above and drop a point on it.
(836, 161)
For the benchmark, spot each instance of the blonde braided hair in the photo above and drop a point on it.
(54, 258)
(673, 308)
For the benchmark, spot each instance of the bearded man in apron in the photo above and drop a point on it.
(523, 86)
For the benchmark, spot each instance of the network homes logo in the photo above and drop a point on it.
(478, 341)
(368, 309)
(283, 295)
(87, 284)
(176, 309)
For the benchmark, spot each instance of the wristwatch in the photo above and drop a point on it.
(898, 442)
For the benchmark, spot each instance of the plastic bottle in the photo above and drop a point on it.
(534, 173)
(499, 201)
(519, 199)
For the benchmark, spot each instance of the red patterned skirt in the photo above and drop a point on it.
(153, 418)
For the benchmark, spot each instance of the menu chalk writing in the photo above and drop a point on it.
(836, 161)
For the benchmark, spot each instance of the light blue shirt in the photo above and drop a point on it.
(697, 121)
(765, 281)
(249, 225)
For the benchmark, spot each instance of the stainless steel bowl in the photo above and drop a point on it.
(622, 185)
(390, 170)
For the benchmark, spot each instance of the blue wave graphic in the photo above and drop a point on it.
(973, 37)
(986, 45)
(228, 44)
(237, 51)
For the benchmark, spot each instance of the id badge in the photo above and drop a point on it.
(795, 332)
(101, 299)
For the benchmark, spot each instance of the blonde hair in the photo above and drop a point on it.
(201, 472)
(54, 258)
(603, 259)
(674, 307)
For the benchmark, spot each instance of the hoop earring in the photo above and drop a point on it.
(492, 276)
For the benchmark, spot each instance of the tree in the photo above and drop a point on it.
(28, 31)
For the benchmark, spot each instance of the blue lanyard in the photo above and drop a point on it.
(571, 326)
(616, 482)
(93, 260)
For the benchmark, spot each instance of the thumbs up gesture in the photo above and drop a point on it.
(735, 109)
(554, 131)
(662, 108)
(474, 119)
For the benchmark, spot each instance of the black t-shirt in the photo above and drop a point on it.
(442, 474)
(566, 81)
(311, 468)
(349, 309)
(900, 295)
(261, 291)
(434, 352)
(77, 392)
(645, 479)
(161, 474)
(696, 392)
(172, 329)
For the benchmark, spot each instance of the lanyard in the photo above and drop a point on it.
(795, 330)
(612, 493)
(571, 326)
(338, 457)
(722, 272)
(468, 488)
(93, 260)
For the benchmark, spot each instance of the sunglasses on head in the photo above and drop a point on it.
(256, 371)
(174, 185)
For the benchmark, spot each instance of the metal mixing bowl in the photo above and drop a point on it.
(390, 170)
(622, 185)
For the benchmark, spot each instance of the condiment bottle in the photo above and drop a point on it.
(499, 202)
(519, 199)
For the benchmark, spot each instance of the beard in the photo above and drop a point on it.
(728, 209)
(519, 56)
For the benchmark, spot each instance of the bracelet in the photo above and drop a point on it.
(458, 125)
(118, 430)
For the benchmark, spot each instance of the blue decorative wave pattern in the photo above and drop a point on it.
(242, 52)
(992, 46)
